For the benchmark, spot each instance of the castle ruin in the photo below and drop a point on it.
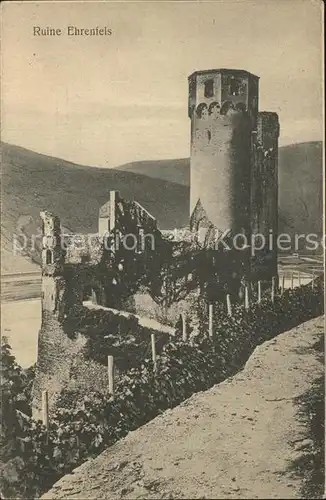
(233, 162)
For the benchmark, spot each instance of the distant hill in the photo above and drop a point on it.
(300, 184)
(301, 188)
(32, 182)
(168, 170)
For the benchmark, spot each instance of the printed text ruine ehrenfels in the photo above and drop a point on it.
(71, 31)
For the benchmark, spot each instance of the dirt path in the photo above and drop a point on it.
(235, 440)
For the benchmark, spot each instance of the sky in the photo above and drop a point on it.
(108, 100)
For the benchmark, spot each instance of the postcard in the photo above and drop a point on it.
(162, 249)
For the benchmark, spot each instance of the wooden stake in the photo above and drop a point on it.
(273, 289)
(111, 374)
(112, 209)
(292, 280)
(210, 319)
(228, 305)
(283, 284)
(259, 292)
(299, 278)
(313, 279)
(45, 410)
(153, 351)
(184, 328)
(246, 298)
(94, 300)
(141, 241)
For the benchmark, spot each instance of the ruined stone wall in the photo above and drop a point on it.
(110, 263)
(144, 305)
(111, 271)
(267, 138)
(60, 364)
(83, 249)
(76, 268)
(264, 194)
(65, 359)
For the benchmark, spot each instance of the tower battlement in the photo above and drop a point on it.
(223, 108)
(51, 244)
(225, 87)
(268, 126)
(234, 149)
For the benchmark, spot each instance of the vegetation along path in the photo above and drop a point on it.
(244, 438)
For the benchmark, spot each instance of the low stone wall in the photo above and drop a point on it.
(248, 419)
(72, 355)
(144, 305)
(60, 364)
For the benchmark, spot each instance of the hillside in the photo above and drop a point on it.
(301, 188)
(243, 438)
(168, 170)
(32, 182)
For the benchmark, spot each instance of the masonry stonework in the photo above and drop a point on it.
(78, 269)
(234, 155)
(233, 162)
(264, 193)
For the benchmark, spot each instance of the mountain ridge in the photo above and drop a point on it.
(32, 182)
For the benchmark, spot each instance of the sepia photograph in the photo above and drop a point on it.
(162, 250)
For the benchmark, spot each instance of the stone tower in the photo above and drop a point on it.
(52, 264)
(264, 192)
(223, 108)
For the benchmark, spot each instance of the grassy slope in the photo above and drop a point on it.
(32, 182)
(301, 185)
(169, 170)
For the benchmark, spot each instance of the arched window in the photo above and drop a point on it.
(48, 257)
(241, 106)
(226, 106)
(94, 296)
(235, 86)
(209, 88)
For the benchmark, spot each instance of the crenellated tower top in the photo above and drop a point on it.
(226, 88)
(52, 251)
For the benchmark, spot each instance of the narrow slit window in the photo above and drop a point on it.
(49, 257)
(234, 87)
(209, 88)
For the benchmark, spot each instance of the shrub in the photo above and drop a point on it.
(16, 386)
(109, 333)
(183, 368)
